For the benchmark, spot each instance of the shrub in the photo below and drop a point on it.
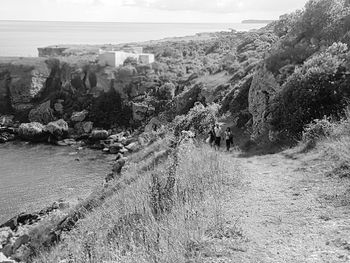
(199, 119)
(108, 110)
(317, 129)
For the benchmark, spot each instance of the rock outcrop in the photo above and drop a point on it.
(79, 116)
(262, 90)
(22, 81)
(141, 111)
(43, 113)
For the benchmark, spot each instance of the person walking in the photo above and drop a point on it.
(212, 136)
(218, 131)
(228, 139)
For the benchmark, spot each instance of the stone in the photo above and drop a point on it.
(58, 129)
(43, 113)
(79, 116)
(6, 137)
(133, 147)
(33, 131)
(20, 241)
(115, 148)
(6, 120)
(123, 151)
(99, 135)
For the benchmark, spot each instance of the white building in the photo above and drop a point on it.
(117, 58)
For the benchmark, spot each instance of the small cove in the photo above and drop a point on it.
(33, 176)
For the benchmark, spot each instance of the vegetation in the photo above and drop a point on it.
(171, 213)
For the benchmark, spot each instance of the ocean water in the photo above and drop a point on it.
(22, 38)
(34, 176)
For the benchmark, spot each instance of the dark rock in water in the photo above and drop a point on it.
(58, 129)
(115, 148)
(20, 241)
(33, 131)
(6, 137)
(99, 135)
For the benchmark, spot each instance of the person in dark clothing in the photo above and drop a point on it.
(212, 136)
(217, 130)
(228, 139)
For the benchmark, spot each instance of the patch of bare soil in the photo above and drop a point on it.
(286, 210)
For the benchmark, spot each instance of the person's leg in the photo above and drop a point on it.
(228, 145)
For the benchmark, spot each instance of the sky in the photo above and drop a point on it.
(172, 11)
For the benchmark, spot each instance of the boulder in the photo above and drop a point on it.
(84, 127)
(43, 113)
(6, 137)
(79, 116)
(33, 131)
(261, 93)
(133, 147)
(123, 151)
(99, 135)
(58, 129)
(115, 148)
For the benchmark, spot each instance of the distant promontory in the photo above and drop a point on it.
(256, 21)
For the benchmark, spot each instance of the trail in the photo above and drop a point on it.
(289, 212)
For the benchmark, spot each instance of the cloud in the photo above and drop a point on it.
(218, 6)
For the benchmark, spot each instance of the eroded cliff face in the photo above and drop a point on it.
(262, 90)
(21, 82)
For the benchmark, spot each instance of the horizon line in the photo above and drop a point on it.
(133, 22)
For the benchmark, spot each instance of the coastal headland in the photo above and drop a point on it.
(169, 197)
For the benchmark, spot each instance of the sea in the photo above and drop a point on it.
(22, 38)
(33, 176)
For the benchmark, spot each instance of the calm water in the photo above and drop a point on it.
(34, 176)
(22, 38)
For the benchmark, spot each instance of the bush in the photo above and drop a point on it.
(318, 129)
(108, 110)
(199, 119)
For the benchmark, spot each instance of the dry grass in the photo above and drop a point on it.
(170, 213)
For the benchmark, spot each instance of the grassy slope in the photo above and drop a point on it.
(148, 221)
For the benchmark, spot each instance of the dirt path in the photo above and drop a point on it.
(289, 213)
